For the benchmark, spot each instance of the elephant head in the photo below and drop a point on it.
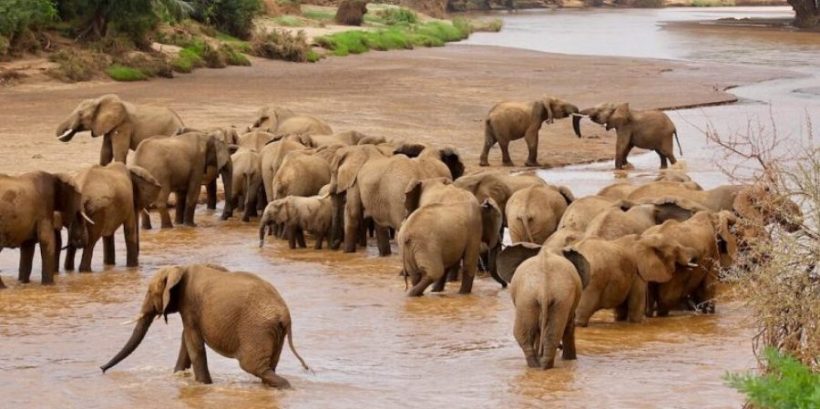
(276, 213)
(100, 116)
(269, 117)
(549, 109)
(68, 201)
(658, 257)
(724, 239)
(758, 205)
(145, 187)
(447, 155)
(415, 189)
(487, 185)
(600, 114)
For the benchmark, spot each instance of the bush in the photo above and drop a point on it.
(122, 73)
(397, 15)
(433, 34)
(288, 21)
(150, 64)
(234, 17)
(17, 16)
(281, 45)
(187, 60)
(787, 385)
(4, 46)
(234, 56)
(648, 4)
(351, 12)
(77, 65)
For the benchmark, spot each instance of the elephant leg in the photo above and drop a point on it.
(179, 214)
(194, 187)
(146, 219)
(291, 233)
(70, 254)
(300, 237)
(489, 142)
(621, 150)
(368, 230)
(505, 153)
(652, 299)
(557, 315)
(106, 151)
(438, 286)
(352, 220)
(663, 159)
(120, 143)
(263, 358)
(26, 261)
(453, 272)
(492, 255)
(58, 246)
(418, 289)
(568, 341)
(132, 242)
(183, 361)
(196, 353)
(532, 149)
(319, 239)
(88, 251)
(210, 188)
(527, 333)
(109, 257)
(469, 267)
(46, 238)
(383, 240)
(162, 208)
(586, 306)
(622, 312)
(636, 302)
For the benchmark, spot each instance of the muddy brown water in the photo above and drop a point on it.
(367, 344)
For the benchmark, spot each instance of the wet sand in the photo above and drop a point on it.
(368, 344)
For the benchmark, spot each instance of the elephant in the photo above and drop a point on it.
(424, 192)
(283, 121)
(580, 212)
(33, 208)
(304, 172)
(623, 190)
(255, 140)
(620, 269)
(297, 214)
(237, 314)
(497, 185)
(121, 124)
(227, 134)
(511, 120)
(247, 182)
(628, 218)
(669, 175)
(179, 164)
(709, 234)
(376, 187)
(113, 195)
(347, 138)
(273, 154)
(436, 238)
(546, 287)
(651, 130)
(533, 213)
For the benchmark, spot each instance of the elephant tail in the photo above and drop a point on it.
(680, 150)
(293, 349)
(527, 230)
(543, 323)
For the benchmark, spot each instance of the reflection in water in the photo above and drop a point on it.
(368, 345)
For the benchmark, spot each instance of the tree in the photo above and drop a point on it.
(806, 13)
(95, 19)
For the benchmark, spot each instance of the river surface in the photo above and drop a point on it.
(371, 347)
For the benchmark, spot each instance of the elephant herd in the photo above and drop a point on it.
(642, 250)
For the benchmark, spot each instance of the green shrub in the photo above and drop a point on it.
(313, 56)
(17, 16)
(187, 60)
(4, 46)
(288, 21)
(234, 17)
(432, 34)
(77, 65)
(151, 64)
(281, 45)
(234, 56)
(397, 15)
(321, 15)
(122, 73)
(788, 384)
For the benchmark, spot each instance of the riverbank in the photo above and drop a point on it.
(438, 95)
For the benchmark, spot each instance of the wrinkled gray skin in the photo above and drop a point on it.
(237, 314)
(122, 125)
(33, 208)
(651, 130)
(511, 120)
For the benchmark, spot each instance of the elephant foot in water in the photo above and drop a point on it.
(273, 380)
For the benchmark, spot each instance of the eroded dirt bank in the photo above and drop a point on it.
(434, 95)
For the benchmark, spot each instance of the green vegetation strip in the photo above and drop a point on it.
(122, 73)
(432, 34)
(788, 384)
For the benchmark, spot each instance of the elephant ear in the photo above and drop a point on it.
(568, 196)
(672, 210)
(371, 140)
(726, 241)
(580, 262)
(346, 166)
(540, 112)
(306, 140)
(145, 186)
(691, 185)
(655, 257)
(491, 222)
(111, 112)
(170, 292)
(450, 157)
(67, 195)
(512, 256)
(411, 150)
(412, 195)
(620, 117)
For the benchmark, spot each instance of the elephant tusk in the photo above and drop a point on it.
(133, 320)
(66, 133)
(88, 219)
(693, 265)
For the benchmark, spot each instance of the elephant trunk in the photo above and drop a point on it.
(263, 226)
(67, 129)
(140, 329)
(576, 124)
(227, 182)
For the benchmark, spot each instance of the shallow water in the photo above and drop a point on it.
(367, 344)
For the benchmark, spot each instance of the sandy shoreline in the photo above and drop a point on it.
(435, 95)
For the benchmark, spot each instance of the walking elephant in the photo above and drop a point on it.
(247, 182)
(33, 208)
(511, 120)
(283, 121)
(122, 125)
(236, 314)
(299, 214)
(113, 195)
(533, 213)
(545, 287)
(179, 164)
(651, 130)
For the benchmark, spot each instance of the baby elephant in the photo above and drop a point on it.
(237, 314)
(545, 290)
(297, 214)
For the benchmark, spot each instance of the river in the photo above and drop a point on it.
(371, 347)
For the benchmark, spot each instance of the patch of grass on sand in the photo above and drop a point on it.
(432, 34)
(187, 60)
(288, 21)
(320, 15)
(234, 56)
(281, 45)
(122, 73)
